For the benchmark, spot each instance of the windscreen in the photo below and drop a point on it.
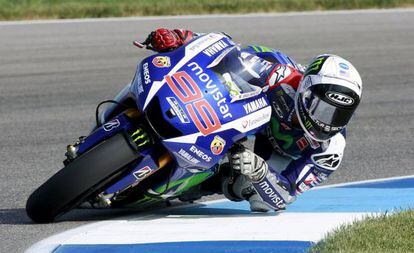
(240, 72)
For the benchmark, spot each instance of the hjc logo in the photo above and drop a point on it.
(339, 98)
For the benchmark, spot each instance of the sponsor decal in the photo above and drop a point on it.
(142, 173)
(257, 121)
(111, 125)
(315, 66)
(204, 41)
(212, 89)
(178, 110)
(145, 71)
(140, 137)
(344, 73)
(311, 180)
(217, 145)
(303, 187)
(314, 144)
(326, 128)
(139, 85)
(272, 195)
(188, 92)
(339, 98)
(186, 156)
(308, 124)
(200, 153)
(215, 48)
(302, 143)
(255, 105)
(327, 161)
(280, 73)
(245, 95)
(343, 66)
(161, 61)
(232, 88)
(277, 110)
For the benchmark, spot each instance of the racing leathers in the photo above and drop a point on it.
(284, 161)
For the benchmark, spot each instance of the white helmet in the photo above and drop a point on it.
(327, 96)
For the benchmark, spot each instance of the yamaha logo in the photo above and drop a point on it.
(339, 98)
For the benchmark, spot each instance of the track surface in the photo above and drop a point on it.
(53, 75)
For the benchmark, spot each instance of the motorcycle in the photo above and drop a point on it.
(165, 134)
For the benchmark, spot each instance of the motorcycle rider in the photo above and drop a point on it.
(304, 142)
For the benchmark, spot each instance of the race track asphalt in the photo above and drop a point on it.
(52, 75)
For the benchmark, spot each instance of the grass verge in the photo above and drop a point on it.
(376, 234)
(41, 9)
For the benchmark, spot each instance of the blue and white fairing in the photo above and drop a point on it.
(196, 100)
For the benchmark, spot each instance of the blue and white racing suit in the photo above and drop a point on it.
(296, 163)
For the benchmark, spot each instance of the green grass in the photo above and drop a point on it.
(381, 234)
(39, 9)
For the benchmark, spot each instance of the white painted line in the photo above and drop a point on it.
(187, 228)
(208, 16)
(378, 180)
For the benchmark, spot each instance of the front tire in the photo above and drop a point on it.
(87, 175)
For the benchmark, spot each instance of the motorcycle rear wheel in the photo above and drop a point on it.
(83, 178)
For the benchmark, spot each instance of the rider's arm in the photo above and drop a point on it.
(315, 168)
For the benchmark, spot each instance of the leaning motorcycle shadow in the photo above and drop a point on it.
(14, 216)
(176, 210)
(18, 216)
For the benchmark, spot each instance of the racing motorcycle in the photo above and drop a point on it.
(165, 133)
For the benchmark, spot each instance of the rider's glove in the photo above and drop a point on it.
(164, 40)
(249, 164)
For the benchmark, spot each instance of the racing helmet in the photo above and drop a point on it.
(327, 96)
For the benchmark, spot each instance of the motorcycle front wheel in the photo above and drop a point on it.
(83, 178)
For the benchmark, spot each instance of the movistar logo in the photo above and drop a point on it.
(140, 137)
(339, 98)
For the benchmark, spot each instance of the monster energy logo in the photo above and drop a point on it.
(315, 66)
(140, 137)
(308, 124)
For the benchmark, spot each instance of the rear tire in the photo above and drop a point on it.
(87, 175)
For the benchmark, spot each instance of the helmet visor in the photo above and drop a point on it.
(323, 112)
